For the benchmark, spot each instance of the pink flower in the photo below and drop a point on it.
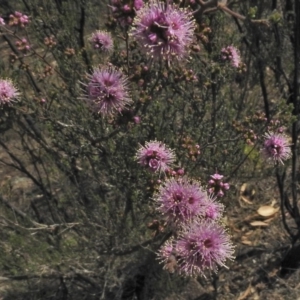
(231, 54)
(217, 177)
(126, 8)
(8, 92)
(202, 246)
(136, 119)
(166, 250)
(213, 209)
(276, 147)
(102, 40)
(180, 200)
(2, 21)
(166, 255)
(155, 156)
(180, 172)
(107, 91)
(163, 31)
(138, 4)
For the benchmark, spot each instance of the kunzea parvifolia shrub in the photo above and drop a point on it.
(123, 115)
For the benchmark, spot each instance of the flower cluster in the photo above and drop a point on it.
(23, 45)
(50, 41)
(200, 242)
(102, 40)
(175, 172)
(163, 31)
(192, 148)
(18, 19)
(216, 186)
(8, 92)
(181, 200)
(124, 11)
(107, 91)
(276, 147)
(250, 137)
(232, 55)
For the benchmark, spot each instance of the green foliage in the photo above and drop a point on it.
(252, 12)
(253, 155)
(276, 18)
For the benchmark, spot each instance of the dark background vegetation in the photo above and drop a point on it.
(74, 204)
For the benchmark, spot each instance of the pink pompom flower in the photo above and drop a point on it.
(213, 209)
(107, 91)
(164, 31)
(102, 40)
(8, 92)
(155, 156)
(181, 200)
(276, 147)
(138, 4)
(202, 246)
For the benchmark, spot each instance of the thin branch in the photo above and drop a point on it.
(296, 105)
(135, 248)
(283, 199)
(229, 11)
(18, 212)
(213, 5)
(264, 89)
(54, 275)
(37, 226)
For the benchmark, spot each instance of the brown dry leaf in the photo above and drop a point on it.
(225, 220)
(247, 242)
(273, 202)
(249, 233)
(267, 211)
(273, 272)
(259, 223)
(269, 219)
(235, 229)
(246, 200)
(245, 294)
(255, 296)
(243, 188)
